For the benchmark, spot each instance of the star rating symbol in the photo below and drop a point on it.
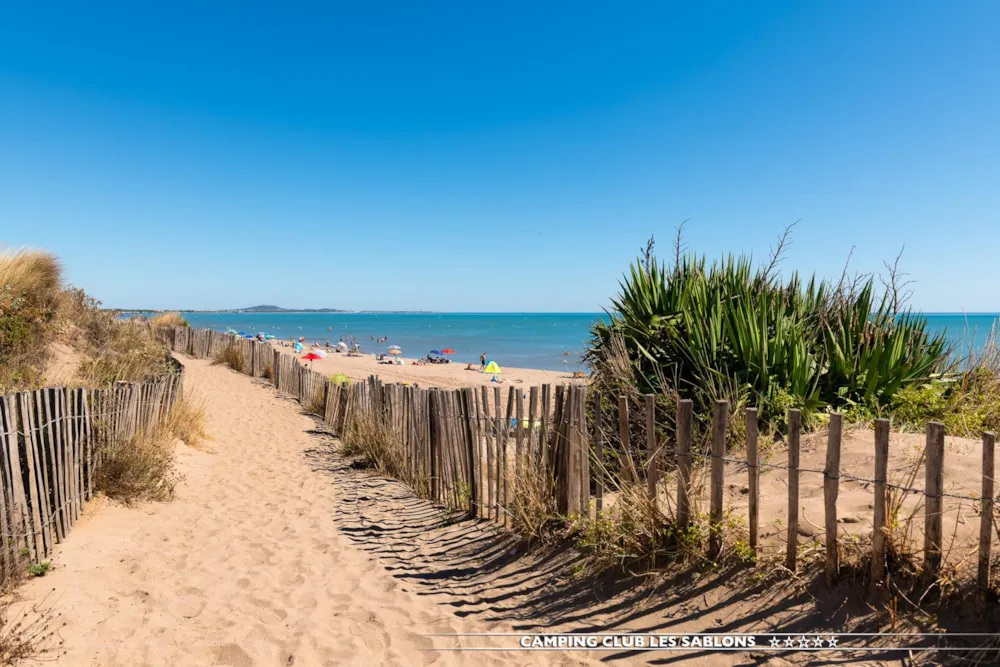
(818, 642)
(832, 641)
(804, 642)
(775, 642)
(789, 642)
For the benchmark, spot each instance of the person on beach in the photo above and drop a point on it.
(482, 361)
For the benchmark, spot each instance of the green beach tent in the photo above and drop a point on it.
(339, 378)
(493, 368)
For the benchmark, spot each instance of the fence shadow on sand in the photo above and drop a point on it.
(484, 572)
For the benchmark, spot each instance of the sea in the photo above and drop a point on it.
(550, 341)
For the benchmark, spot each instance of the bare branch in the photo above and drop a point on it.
(843, 274)
(679, 246)
(778, 251)
(896, 285)
(647, 254)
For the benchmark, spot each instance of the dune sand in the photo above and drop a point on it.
(246, 565)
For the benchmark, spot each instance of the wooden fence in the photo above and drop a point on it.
(474, 448)
(50, 447)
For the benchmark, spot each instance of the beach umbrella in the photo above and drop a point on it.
(319, 353)
(492, 368)
(394, 347)
(342, 344)
(396, 351)
(339, 378)
(230, 331)
(311, 357)
(447, 350)
(435, 352)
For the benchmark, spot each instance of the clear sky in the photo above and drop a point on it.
(494, 155)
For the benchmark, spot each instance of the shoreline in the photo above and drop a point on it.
(444, 376)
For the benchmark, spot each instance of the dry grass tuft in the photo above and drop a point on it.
(532, 507)
(317, 404)
(372, 438)
(27, 637)
(29, 294)
(115, 350)
(186, 421)
(138, 469)
(169, 320)
(231, 356)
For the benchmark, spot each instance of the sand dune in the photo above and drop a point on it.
(246, 566)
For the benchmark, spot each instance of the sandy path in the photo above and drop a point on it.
(246, 566)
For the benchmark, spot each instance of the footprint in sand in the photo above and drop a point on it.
(259, 554)
(290, 578)
(268, 613)
(231, 655)
(190, 602)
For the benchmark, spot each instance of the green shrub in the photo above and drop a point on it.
(734, 331)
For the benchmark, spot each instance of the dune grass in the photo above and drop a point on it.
(230, 356)
(169, 320)
(186, 421)
(138, 469)
(30, 284)
(113, 349)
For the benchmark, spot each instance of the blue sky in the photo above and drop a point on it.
(493, 156)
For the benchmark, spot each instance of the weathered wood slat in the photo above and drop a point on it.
(792, 543)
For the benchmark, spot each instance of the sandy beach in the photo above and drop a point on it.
(444, 376)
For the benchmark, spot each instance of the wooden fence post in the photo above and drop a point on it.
(753, 473)
(792, 546)
(879, 524)
(598, 455)
(583, 453)
(720, 419)
(652, 469)
(572, 458)
(831, 489)
(933, 483)
(986, 517)
(625, 464)
(685, 412)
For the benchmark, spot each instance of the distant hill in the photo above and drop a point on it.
(279, 309)
(263, 309)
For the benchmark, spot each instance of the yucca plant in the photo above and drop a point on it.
(730, 330)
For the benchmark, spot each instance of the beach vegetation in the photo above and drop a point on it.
(371, 437)
(231, 356)
(169, 320)
(187, 421)
(39, 569)
(317, 402)
(138, 469)
(114, 350)
(532, 505)
(27, 636)
(30, 283)
(735, 330)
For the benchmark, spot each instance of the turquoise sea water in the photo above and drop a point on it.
(520, 340)
(524, 340)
